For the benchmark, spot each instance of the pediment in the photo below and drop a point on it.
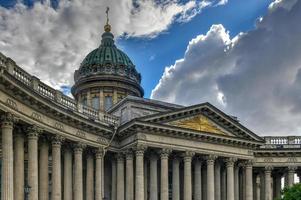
(204, 118)
(199, 123)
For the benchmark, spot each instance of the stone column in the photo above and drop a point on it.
(56, 168)
(153, 177)
(197, 179)
(120, 176)
(291, 175)
(187, 175)
(224, 183)
(217, 180)
(278, 177)
(32, 135)
(90, 177)
(262, 185)
(145, 173)
(68, 174)
(236, 182)
(258, 187)
(114, 179)
(129, 187)
(210, 176)
(7, 173)
(267, 177)
(176, 178)
(230, 178)
(164, 173)
(99, 154)
(19, 165)
(78, 171)
(139, 177)
(249, 180)
(43, 170)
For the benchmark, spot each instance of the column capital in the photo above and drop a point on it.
(292, 168)
(139, 149)
(33, 132)
(188, 156)
(248, 163)
(210, 158)
(129, 154)
(79, 147)
(8, 119)
(164, 153)
(57, 140)
(230, 161)
(99, 152)
(268, 168)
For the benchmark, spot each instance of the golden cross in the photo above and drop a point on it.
(107, 12)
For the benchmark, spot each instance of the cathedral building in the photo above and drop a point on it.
(108, 142)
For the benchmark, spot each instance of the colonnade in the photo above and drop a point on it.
(53, 168)
(162, 174)
(45, 155)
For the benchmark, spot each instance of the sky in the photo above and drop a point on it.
(241, 56)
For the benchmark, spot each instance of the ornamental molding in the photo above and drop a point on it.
(292, 160)
(59, 126)
(268, 160)
(81, 134)
(102, 140)
(36, 116)
(12, 104)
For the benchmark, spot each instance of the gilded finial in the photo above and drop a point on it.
(107, 27)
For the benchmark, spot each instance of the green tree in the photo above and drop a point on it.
(292, 193)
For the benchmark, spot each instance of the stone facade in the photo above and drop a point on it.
(139, 149)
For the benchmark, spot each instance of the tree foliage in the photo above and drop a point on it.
(292, 193)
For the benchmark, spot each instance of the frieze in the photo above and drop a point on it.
(59, 126)
(102, 140)
(268, 160)
(140, 136)
(36, 116)
(12, 104)
(292, 160)
(81, 134)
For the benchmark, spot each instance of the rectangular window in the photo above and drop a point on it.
(108, 102)
(95, 102)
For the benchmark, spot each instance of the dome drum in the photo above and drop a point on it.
(106, 75)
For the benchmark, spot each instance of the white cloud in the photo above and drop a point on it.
(255, 75)
(51, 43)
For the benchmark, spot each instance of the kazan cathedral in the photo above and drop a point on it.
(110, 143)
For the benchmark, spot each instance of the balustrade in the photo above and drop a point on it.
(52, 94)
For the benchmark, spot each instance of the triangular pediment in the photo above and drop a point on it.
(204, 118)
(199, 123)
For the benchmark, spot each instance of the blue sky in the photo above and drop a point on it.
(152, 55)
(236, 16)
(241, 56)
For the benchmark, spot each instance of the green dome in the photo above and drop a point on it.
(107, 59)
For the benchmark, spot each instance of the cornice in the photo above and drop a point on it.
(37, 102)
(135, 126)
(209, 111)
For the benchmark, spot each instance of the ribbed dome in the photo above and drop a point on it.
(108, 59)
